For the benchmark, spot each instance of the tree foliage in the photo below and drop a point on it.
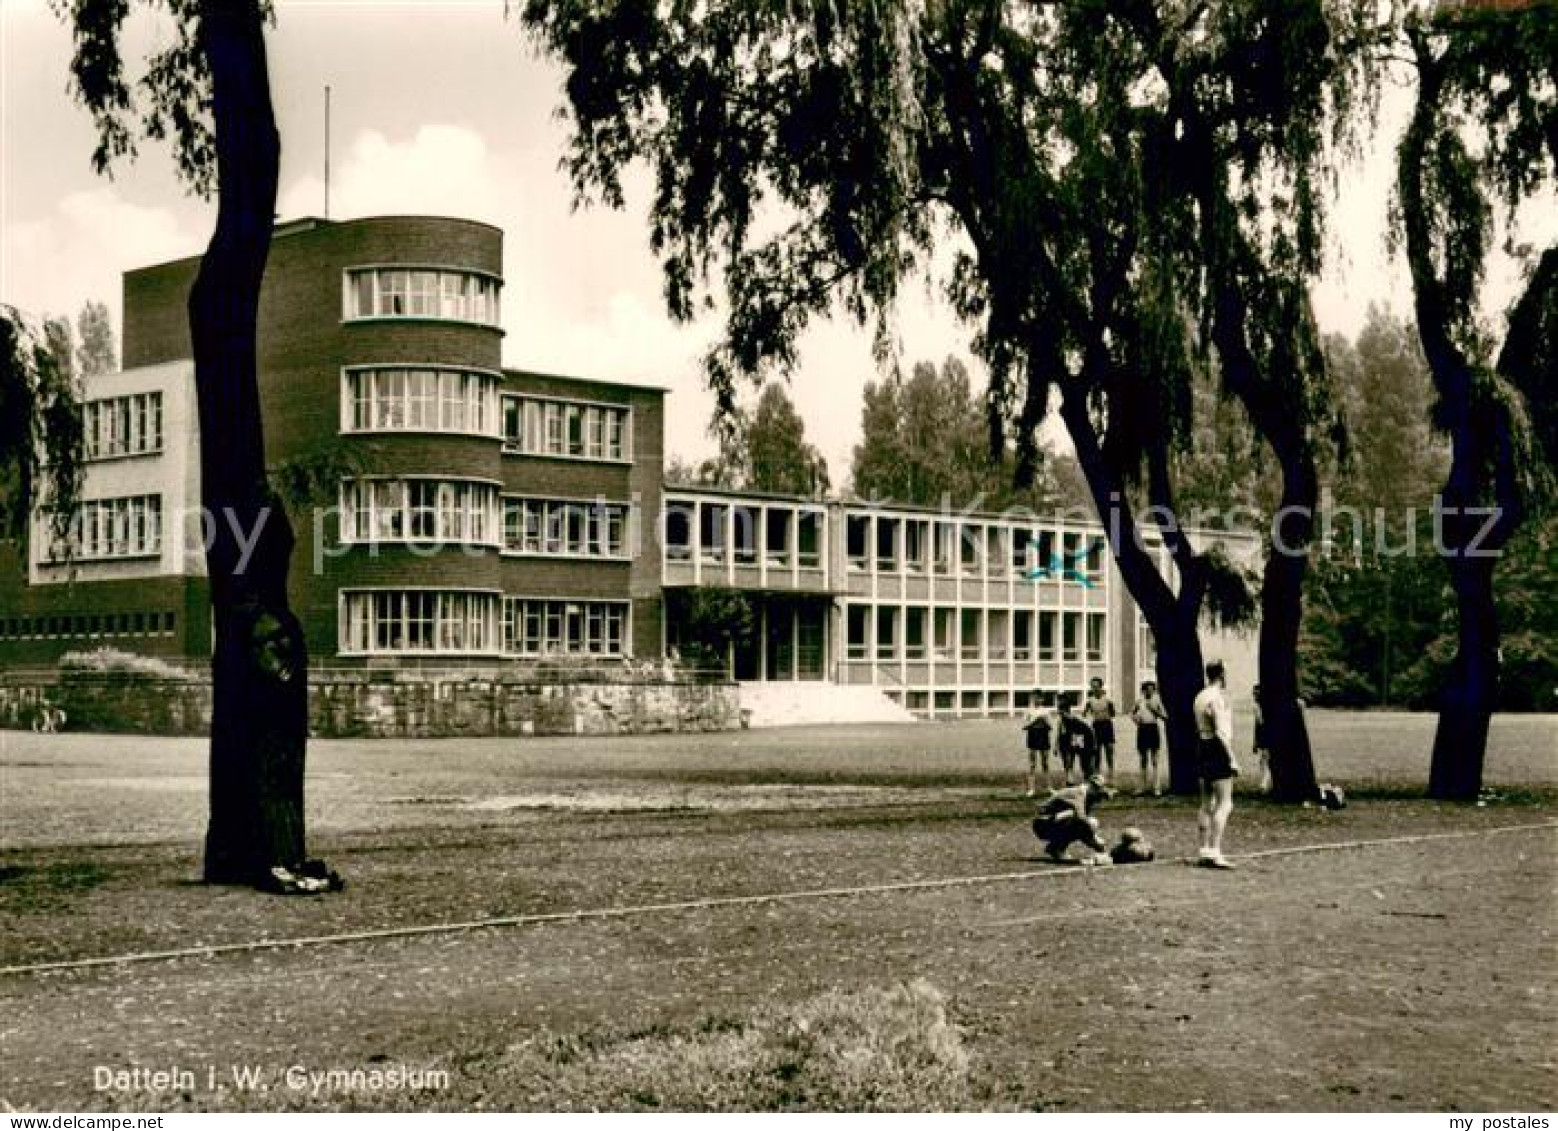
(924, 440)
(777, 454)
(95, 352)
(762, 450)
(41, 453)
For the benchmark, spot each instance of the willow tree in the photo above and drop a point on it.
(812, 156)
(209, 94)
(1483, 135)
(41, 439)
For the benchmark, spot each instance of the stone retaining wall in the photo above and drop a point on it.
(388, 705)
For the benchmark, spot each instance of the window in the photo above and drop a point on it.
(419, 510)
(129, 425)
(999, 631)
(914, 633)
(422, 292)
(946, 538)
(1022, 634)
(535, 426)
(886, 633)
(537, 627)
(1047, 635)
(887, 543)
(914, 545)
(711, 531)
(857, 535)
(572, 528)
(809, 539)
(425, 399)
(396, 621)
(128, 527)
(858, 618)
(1070, 629)
(678, 531)
(995, 548)
(776, 535)
(1095, 637)
(1046, 553)
(744, 534)
(1021, 542)
(1095, 558)
(972, 540)
(943, 633)
(971, 633)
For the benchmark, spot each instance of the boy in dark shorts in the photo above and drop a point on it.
(1078, 746)
(1038, 735)
(1215, 765)
(1148, 715)
(1066, 818)
(1099, 711)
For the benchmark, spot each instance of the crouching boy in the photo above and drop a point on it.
(1066, 818)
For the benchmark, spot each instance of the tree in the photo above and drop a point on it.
(41, 441)
(925, 440)
(778, 456)
(209, 93)
(95, 355)
(1374, 600)
(1047, 142)
(1482, 134)
(765, 450)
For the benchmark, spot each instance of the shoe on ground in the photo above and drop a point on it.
(1221, 863)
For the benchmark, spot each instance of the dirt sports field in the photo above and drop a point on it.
(839, 917)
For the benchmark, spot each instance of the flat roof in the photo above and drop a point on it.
(735, 495)
(643, 388)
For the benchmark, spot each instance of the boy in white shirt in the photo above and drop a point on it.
(1215, 765)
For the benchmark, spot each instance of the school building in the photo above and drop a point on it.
(486, 515)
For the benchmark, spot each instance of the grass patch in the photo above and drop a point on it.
(870, 1050)
(889, 1049)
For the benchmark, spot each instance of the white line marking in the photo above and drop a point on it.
(600, 913)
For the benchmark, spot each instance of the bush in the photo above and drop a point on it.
(111, 661)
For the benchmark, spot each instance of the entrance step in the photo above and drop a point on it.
(782, 704)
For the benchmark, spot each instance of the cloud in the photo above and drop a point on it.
(80, 248)
(420, 174)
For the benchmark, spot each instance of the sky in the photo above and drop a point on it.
(444, 107)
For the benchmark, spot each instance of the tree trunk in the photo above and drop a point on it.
(1180, 673)
(1173, 616)
(1470, 688)
(1481, 505)
(259, 721)
(1282, 614)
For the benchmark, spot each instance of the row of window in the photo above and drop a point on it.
(539, 426)
(972, 701)
(466, 511)
(543, 627)
(422, 292)
(127, 527)
(399, 622)
(919, 632)
(715, 532)
(429, 398)
(419, 510)
(422, 399)
(87, 624)
(565, 527)
(128, 425)
(887, 544)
